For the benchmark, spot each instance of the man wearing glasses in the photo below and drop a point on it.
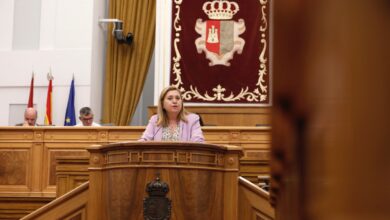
(86, 117)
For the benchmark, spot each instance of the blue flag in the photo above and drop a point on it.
(70, 116)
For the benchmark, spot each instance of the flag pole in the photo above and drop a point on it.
(48, 116)
(30, 103)
(70, 116)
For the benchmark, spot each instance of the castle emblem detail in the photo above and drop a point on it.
(219, 38)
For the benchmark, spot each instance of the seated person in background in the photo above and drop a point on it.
(86, 117)
(30, 117)
(172, 122)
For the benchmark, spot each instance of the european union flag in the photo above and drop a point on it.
(70, 116)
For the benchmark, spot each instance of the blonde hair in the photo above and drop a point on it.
(162, 114)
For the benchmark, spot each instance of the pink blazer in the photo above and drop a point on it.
(190, 130)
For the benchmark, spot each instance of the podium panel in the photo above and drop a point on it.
(202, 179)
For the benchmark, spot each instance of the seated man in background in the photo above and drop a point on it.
(86, 117)
(30, 117)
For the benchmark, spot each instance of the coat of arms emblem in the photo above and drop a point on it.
(220, 35)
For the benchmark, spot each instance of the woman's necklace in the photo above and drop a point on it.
(173, 125)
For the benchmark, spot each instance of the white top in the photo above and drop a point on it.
(93, 124)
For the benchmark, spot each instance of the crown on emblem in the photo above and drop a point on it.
(157, 188)
(220, 9)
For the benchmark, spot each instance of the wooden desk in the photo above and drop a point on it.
(27, 155)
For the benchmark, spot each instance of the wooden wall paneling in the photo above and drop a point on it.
(18, 134)
(252, 170)
(71, 134)
(255, 143)
(255, 162)
(36, 166)
(16, 167)
(118, 134)
(17, 158)
(216, 136)
(19, 148)
(256, 136)
(17, 207)
(53, 150)
(102, 135)
(228, 115)
(63, 182)
(70, 172)
(66, 142)
(251, 153)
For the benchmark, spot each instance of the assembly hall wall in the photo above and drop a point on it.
(66, 38)
(63, 36)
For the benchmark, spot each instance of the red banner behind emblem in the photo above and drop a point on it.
(221, 56)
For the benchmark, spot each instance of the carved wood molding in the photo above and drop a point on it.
(174, 157)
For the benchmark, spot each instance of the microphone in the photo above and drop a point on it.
(156, 132)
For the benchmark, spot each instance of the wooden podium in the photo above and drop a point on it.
(202, 180)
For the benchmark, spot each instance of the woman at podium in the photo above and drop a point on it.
(172, 122)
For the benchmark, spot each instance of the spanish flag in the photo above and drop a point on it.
(48, 118)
